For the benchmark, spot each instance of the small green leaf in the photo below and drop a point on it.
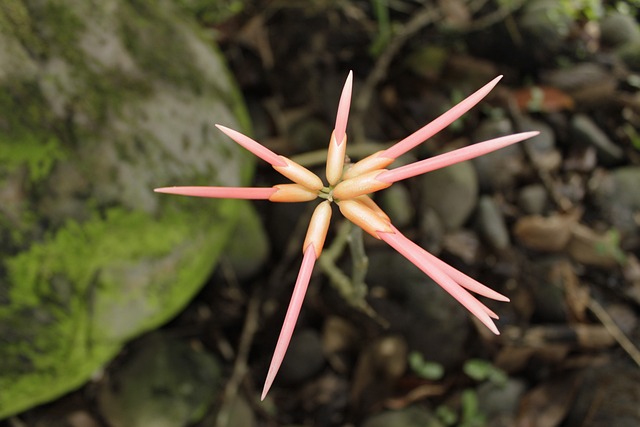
(425, 368)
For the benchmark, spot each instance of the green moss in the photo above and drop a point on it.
(24, 131)
(61, 285)
(43, 28)
(143, 30)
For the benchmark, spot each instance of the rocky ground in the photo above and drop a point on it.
(553, 223)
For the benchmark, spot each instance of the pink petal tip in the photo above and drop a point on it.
(343, 109)
(255, 147)
(426, 132)
(220, 192)
(290, 319)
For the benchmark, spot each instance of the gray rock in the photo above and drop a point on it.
(491, 224)
(163, 382)
(413, 416)
(546, 25)
(532, 199)
(100, 103)
(608, 396)
(500, 401)
(499, 169)
(586, 132)
(616, 195)
(542, 148)
(588, 83)
(630, 55)
(617, 29)
(304, 357)
(412, 301)
(396, 202)
(248, 250)
(451, 192)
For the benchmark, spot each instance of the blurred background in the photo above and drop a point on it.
(121, 307)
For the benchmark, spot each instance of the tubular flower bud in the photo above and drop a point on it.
(299, 174)
(362, 184)
(364, 217)
(318, 227)
(292, 193)
(373, 162)
(335, 159)
(368, 202)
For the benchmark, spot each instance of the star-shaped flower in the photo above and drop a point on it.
(349, 187)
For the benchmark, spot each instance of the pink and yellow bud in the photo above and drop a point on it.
(290, 193)
(364, 217)
(318, 227)
(299, 174)
(368, 202)
(360, 185)
(368, 164)
(335, 159)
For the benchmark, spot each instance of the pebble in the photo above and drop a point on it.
(546, 234)
(542, 148)
(593, 249)
(608, 396)
(491, 224)
(500, 401)
(618, 29)
(533, 199)
(164, 382)
(304, 358)
(589, 84)
(396, 202)
(630, 55)
(451, 192)
(416, 308)
(249, 248)
(499, 169)
(616, 195)
(545, 25)
(413, 416)
(586, 132)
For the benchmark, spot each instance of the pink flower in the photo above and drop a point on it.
(349, 187)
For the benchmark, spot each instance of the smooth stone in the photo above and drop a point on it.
(630, 54)
(607, 396)
(546, 26)
(431, 230)
(500, 401)
(588, 83)
(304, 358)
(396, 202)
(617, 197)
(533, 199)
(412, 300)
(594, 249)
(617, 29)
(412, 416)
(451, 192)
(546, 234)
(542, 148)
(163, 382)
(499, 169)
(249, 248)
(491, 224)
(586, 132)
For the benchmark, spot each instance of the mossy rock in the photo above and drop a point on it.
(100, 102)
